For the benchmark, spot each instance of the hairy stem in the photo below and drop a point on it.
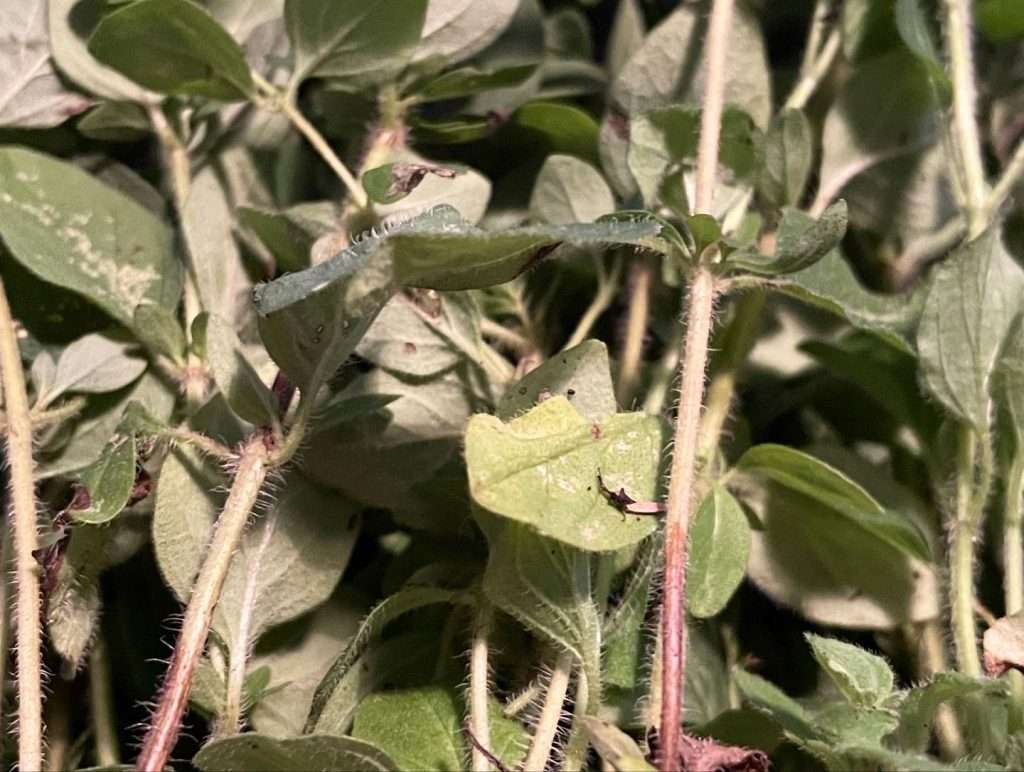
(551, 713)
(58, 728)
(965, 125)
(961, 570)
(1013, 569)
(249, 478)
(1004, 186)
(683, 473)
(479, 717)
(639, 309)
(286, 104)
(932, 660)
(101, 706)
(26, 541)
(578, 743)
(607, 285)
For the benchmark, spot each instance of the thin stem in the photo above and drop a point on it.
(286, 105)
(715, 46)
(26, 541)
(523, 700)
(641, 274)
(58, 728)
(101, 706)
(551, 713)
(965, 125)
(819, 21)
(664, 373)
(200, 442)
(961, 571)
(607, 285)
(933, 661)
(249, 478)
(810, 79)
(1011, 176)
(479, 702)
(578, 742)
(506, 337)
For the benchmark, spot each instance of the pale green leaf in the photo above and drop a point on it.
(71, 230)
(235, 375)
(581, 374)
(865, 679)
(109, 482)
(541, 469)
(626, 35)
(569, 190)
(615, 747)
(289, 234)
(918, 708)
(788, 155)
(94, 364)
(800, 242)
(252, 752)
(159, 330)
(972, 299)
(455, 30)
(360, 42)
(719, 547)
(768, 698)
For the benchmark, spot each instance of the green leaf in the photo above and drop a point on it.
(615, 747)
(832, 285)
(360, 42)
(546, 586)
(972, 299)
(207, 223)
(919, 706)
(109, 482)
(455, 30)
(252, 752)
(788, 154)
(865, 679)
(582, 374)
(422, 339)
(289, 234)
(342, 409)
(94, 364)
(812, 477)
(624, 637)
(569, 190)
(462, 188)
(541, 469)
(801, 242)
(418, 728)
(1009, 380)
(187, 52)
(392, 182)
(405, 600)
(70, 21)
(769, 699)
(115, 122)
(466, 81)
(71, 230)
(159, 331)
(34, 95)
(915, 28)
(719, 547)
(1000, 20)
(556, 127)
(236, 377)
(884, 110)
(626, 36)
(665, 69)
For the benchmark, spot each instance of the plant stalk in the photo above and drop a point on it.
(965, 124)
(961, 570)
(479, 676)
(26, 541)
(641, 274)
(101, 706)
(245, 490)
(1008, 181)
(551, 713)
(683, 473)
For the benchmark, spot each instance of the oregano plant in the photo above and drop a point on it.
(507, 385)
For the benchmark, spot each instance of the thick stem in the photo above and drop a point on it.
(640, 275)
(715, 46)
(961, 569)
(249, 478)
(26, 541)
(681, 497)
(479, 707)
(101, 707)
(551, 713)
(965, 125)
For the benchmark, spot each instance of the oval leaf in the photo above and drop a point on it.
(718, 551)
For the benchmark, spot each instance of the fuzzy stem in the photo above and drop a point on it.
(26, 541)
(933, 661)
(550, 714)
(58, 728)
(664, 373)
(5, 603)
(286, 105)
(965, 125)
(1013, 569)
(578, 743)
(810, 79)
(640, 275)
(479, 707)
(101, 706)
(1011, 176)
(249, 478)
(607, 285)
(715, 47)
(961, 571)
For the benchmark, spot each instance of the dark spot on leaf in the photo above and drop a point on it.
(595, 431)
(522, 390)
(409, 347)
(571, 393)
(541, 253)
